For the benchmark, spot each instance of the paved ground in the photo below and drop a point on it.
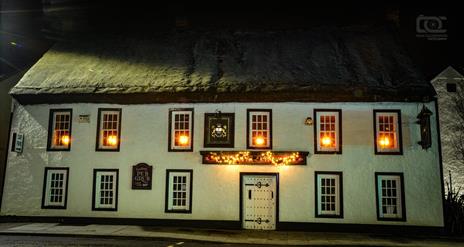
(161, 236)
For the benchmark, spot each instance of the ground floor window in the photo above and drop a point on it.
(55, 188)
(179, 191)
(329, 196)
(390, 196)
(105, 189)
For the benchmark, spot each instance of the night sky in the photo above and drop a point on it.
(29, 27)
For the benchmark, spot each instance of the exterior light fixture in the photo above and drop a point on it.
(183, 140)
(65, 140)
(112, 140)
(425, 131)
(259, 141)
(308, 121)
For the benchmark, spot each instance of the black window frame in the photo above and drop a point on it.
(166, 200)
(51, 129)
(94, 189)
(339, 134)
(316, 193)
(248, 141)
(400, 132)
(192, 130)
(97, 145)
(44, 189)
(402, 193)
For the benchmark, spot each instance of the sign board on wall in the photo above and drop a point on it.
(141, 176)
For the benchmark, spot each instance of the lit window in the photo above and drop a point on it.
(259, 129)
(109, 129)
(179, 191)
(105, 189)
(390, 192)
(329, 194)
(327, 131)
(59, 130)
(55, 188)
(387, 131)
(180, 130)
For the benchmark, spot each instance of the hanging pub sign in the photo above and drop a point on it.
(425, 130)
(219, 130)
(141, 176)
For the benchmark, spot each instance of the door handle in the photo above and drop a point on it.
(249, 194)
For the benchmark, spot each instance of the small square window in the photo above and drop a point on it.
(329, 194)
(451, 87)
(259, 129)
(179, 191)
(181, 130)
(59, 130)
(328, 131)
(387, 130)
(390, 196)
(109, 130)
(55, 188)
(105, 189)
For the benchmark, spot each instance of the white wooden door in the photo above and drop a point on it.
(259, 197)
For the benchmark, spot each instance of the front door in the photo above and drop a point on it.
(259, 201)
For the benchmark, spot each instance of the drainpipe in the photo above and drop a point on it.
(7, 151)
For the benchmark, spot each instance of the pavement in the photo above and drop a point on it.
(225, 236)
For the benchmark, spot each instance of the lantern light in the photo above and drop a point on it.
(112, 140)
(425, 129)
(326, 141)
(65, 140)
(183, 140)
(384, 141)
(259, 141)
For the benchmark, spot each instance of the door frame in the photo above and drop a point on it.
(276, 175)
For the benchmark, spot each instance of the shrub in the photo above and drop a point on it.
(454, 209)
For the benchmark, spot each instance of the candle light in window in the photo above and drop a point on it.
(65, 140)
(384, 141)
(112, 140)
(259, 141)
(326, 141)
(183, 140)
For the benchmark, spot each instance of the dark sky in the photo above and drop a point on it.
(29, 27)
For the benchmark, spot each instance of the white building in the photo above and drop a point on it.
(448, 84)
(270, 130)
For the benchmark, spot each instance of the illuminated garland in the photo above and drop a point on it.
(245, 157)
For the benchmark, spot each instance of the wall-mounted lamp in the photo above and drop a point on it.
(308, 121)
(425, 131)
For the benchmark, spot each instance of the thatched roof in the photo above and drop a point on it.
(324, 64)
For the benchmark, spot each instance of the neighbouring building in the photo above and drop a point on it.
(448, 85)
(257, 130)
(5, 117)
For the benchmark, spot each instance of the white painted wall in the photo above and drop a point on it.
(215, 187)
(448, 120)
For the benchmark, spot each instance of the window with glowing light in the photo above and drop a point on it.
(259, 129)
(387, 132)
(390, 196)
(55, 188)
(105, 189)
(181, 130)
(109, 130)
(59, 130)
(178, 191)
(329, 194)
(327, 127)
